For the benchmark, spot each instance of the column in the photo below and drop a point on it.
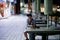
(38, 6)
(35, 6)
(48, 9)
(48, 6)
(18, 7)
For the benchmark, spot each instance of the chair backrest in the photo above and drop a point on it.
(40, 23)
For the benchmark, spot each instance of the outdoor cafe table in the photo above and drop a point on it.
(43, 31)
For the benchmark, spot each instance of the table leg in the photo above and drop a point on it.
(44, 37)
(31, 36)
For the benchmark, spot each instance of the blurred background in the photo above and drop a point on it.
(13, 24)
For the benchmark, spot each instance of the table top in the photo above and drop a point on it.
(44, 30)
